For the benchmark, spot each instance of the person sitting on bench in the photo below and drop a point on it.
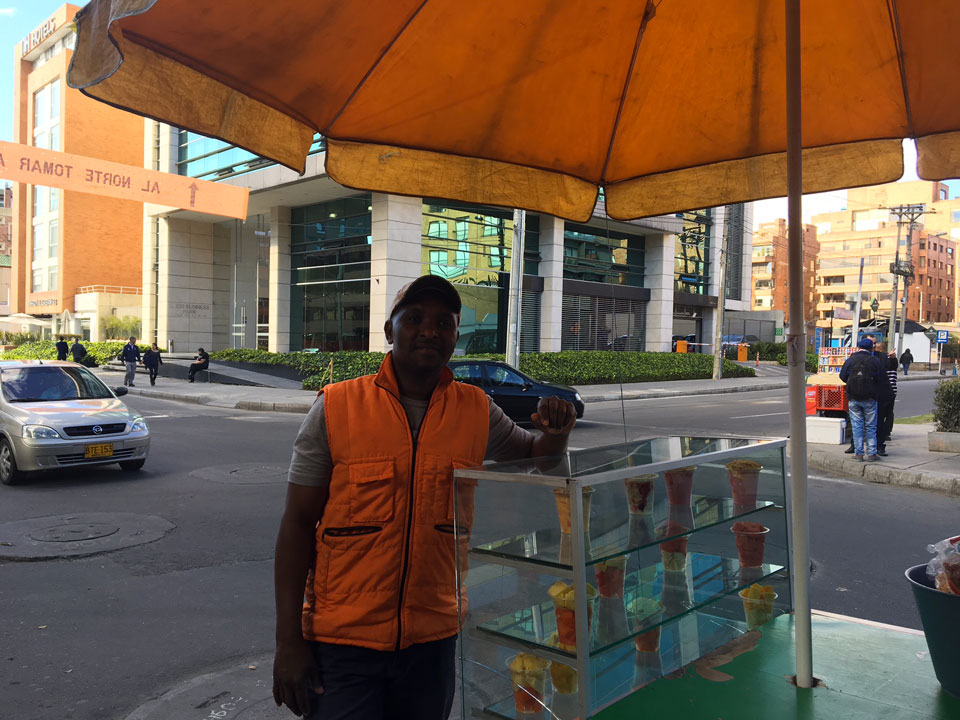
(200, 362)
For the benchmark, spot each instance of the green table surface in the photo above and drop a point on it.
(867, 671)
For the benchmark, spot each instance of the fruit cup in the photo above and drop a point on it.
(640, 493)
(673, 552)
(751, 537)
(610, 575)
(744, 478)
(529, 675)
(562, 496)
(565, 608)
(679, 484)
(644, 616)
(757, 604)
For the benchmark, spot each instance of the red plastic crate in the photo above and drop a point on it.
(831, 397)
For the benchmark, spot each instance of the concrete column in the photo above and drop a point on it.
(551, 270)
(658, 278)
(221, 273)
(279, 289)
(396, 256)
(242, 274)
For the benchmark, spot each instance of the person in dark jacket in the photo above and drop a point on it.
(906, 360)
(130, 355)
(78, 351)
(886, 398)
(200, 362)
(862, 374)
(152, 362)
(62, 348)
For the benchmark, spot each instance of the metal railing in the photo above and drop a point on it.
(112, 289)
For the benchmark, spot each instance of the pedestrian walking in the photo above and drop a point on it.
(62, 348)
(152, 362)
(367, 533)
(130, 355)
(78, 351)
(862, 374)
(906, 360)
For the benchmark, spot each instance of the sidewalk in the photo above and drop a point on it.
(908, 462)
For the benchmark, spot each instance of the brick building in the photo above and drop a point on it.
(6, 218)
(769, 271)
(64, 242)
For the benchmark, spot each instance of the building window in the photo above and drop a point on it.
(490, 225)
(496, 259)
(38, 280)
(202, 157)
(437, 229)
(601, 255)
(53, 237)
(463, 229)
(54, 199)
(52, 278)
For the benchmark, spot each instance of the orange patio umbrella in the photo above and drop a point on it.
(667, 106)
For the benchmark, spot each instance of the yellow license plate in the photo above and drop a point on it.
(98, 451)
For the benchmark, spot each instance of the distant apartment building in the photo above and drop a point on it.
(868, 230)
(6, 218)
(770, 271)
(75, 256)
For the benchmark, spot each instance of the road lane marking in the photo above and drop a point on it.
(743, 417)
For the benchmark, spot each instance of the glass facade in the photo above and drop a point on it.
(202, 157)
(602, 255)
(330, 275)
(691, 267)
(471, 246)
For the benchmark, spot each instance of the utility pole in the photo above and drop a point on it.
(912, 213)
(721, 298)
(516, 289)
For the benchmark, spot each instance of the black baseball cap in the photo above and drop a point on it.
(428, 286)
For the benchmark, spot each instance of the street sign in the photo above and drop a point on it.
(27, 164)
(819, 338)
(777, 332)
(942, 337)
(875, 305)
(930, 334)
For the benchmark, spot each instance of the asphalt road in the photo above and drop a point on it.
(93, 638)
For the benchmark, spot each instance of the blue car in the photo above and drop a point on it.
(515, 393)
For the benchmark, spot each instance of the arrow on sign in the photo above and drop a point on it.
(193, 193)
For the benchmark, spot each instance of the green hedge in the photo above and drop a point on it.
(946, 406)
(97, 352)
(566, 368)
(811, 363)
(767, 350)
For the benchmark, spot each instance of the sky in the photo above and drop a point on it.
(19, 17)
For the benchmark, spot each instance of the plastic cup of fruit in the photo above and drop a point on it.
(610, 576)
(640, 493)
(744, 479)
(529, 675)
(562, 496)
(644, 616)
(751, 538)
(674, 552)
(757, 605)
(564, 606)
(679, 484)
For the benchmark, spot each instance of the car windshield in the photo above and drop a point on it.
(50, 383)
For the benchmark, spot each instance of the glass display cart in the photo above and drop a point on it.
(586, 577)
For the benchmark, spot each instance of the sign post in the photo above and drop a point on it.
(942, 337)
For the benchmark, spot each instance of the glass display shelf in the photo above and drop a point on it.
(712, 577)
(624, 670)
(610, 462)
(613, 536)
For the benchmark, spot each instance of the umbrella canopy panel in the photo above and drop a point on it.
(668, 106)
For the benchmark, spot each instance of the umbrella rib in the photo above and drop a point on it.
(373, 67)
(895, 29)
(649, 11)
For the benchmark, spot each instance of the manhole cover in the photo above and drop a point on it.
(258, 474)
(74, 533)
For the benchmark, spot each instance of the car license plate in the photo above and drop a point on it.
(100, 450)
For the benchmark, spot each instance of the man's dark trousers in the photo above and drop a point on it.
(884, 421)
(416, 683)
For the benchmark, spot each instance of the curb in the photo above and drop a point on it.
(648, 394)
(877, 473)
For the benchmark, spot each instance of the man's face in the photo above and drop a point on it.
(423, 335)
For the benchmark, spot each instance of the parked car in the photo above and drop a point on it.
(59, 414)
(516, 393)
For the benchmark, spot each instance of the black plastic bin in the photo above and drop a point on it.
(940, 615)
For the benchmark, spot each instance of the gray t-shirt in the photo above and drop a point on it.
(312, 465)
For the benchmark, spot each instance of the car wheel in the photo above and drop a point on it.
(131, 465)
(9, 473)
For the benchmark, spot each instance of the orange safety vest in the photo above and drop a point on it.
(385, 575)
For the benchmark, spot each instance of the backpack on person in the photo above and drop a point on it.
(860, 383)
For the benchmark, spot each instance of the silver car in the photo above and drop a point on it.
(59, 414)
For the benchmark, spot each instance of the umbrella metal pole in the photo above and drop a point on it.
(796, 354)
(515, 292)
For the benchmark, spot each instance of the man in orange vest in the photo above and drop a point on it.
(365, 569)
